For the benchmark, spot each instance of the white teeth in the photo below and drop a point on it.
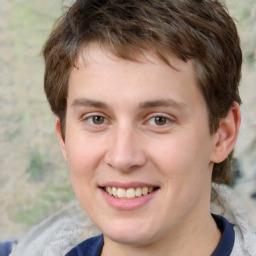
(145, 191)
(138, 192)
(129, 193)
(121, 192)
(109, 190)
(114, 191)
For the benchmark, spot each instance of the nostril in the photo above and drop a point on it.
(125, 153)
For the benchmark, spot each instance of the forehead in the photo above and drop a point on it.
(96, 53)
(97, 67)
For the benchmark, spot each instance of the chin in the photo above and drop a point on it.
(129, 239)
(131, 235)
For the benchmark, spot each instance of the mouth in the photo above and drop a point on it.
(130, 193)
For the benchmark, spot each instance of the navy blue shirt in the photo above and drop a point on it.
(93, 246)
(6, 247)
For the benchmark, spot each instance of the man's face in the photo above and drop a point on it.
(138, 130)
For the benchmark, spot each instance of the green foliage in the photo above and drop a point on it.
(52, 198)
(250, 58)
(37, 166)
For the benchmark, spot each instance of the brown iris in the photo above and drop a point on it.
(98, 120)
(160, 120)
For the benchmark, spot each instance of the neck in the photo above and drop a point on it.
(201, 238)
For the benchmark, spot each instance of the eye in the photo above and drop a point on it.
(98, 119)
(158, 121)
(95, 120)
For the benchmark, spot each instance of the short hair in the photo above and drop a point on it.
(198, 30)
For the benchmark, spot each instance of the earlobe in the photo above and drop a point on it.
(226, 134)
(60, 138)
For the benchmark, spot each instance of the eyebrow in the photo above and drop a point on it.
(83, 102)
(163, 103)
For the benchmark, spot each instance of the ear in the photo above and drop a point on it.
(226, 134)
(61, 139)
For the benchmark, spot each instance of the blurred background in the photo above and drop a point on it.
(34, 180)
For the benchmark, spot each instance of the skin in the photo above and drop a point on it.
(128, 145)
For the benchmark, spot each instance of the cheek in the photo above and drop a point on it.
(82, 161)
(182, 158)
(185, 165)
(83, 155)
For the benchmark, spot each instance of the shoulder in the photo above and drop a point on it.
(57, 235)
(245, 240)
(233, 210)
(90, 247)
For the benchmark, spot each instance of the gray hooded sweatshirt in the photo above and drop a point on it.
(58, 234)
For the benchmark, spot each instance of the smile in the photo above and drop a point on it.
(129, 193)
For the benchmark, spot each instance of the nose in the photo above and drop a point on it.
(125, 151)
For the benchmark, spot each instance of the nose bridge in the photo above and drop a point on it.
(125, 150)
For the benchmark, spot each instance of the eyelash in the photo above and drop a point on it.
(151, 121)
(91, 118)
(167, 120)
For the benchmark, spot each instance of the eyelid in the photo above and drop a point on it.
(91, 114)
(86, 117)
(167, 116)
(92, 120)
(169, 120)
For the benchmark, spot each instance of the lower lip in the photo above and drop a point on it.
(128, 204)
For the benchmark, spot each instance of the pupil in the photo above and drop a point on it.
(98, 119)
(160, 120)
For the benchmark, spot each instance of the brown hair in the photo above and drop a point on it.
(201, 30)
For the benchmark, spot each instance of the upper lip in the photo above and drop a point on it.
(127, 185)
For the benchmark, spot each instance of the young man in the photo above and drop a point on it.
(147, 105)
